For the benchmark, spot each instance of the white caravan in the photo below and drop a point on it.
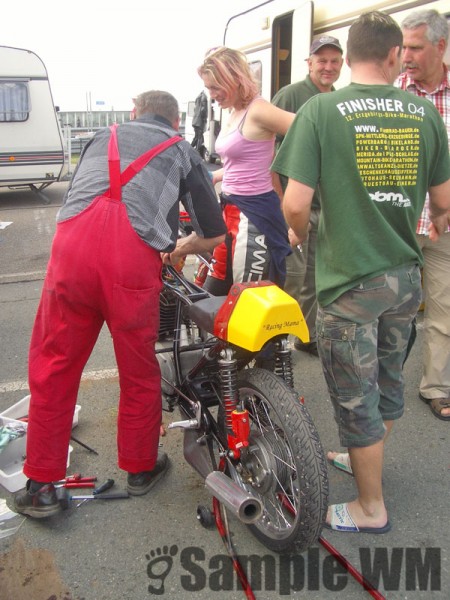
(276, 36)
(31, 143)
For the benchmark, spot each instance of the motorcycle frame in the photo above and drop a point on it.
(201, 428)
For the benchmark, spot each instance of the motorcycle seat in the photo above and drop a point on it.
(204, 312)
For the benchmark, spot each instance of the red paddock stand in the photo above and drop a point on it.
(222, 527)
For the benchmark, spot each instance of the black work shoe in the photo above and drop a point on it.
(39, 504)
(140, 483)
(310, 348)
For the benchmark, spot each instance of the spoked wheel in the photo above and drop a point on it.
(284, 466)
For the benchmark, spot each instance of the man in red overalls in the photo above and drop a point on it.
(119, 215)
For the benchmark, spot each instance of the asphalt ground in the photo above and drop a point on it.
(154, 545)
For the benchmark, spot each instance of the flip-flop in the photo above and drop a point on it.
(341, 520)
(436, 405)
(342, 462)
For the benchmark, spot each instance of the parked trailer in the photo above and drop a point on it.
(31, 143)
(276, 36)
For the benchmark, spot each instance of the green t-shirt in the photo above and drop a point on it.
(292, 97)
(374, 151)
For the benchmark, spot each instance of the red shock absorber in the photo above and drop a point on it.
(228, 375)
(241, 431)
(236, 421)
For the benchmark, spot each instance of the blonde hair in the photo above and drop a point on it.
(230, 71)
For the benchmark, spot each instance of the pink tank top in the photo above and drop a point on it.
(246, 163)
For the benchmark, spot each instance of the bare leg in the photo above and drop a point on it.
(368, 510)
(388, 424)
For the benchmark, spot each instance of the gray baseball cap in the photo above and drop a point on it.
(325, 40)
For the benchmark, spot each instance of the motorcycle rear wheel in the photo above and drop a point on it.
(285, 466)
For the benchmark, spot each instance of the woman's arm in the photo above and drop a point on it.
(266, 117)
(217, 176)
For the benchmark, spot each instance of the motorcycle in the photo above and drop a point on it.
(246, 430)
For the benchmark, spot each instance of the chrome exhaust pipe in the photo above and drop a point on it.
(243, 505)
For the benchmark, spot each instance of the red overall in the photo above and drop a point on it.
(99, 270)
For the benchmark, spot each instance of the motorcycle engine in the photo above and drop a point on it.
(189, 335)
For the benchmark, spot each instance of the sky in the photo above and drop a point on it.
(110, 51)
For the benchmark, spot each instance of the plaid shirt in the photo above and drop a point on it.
(441, 99)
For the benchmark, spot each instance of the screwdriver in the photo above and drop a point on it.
(98, 495)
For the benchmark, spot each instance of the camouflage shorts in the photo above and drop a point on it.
(362, 339)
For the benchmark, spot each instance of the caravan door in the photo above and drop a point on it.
(291, 41)
(276, 37)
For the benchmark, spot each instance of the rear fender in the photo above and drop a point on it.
(255, 312)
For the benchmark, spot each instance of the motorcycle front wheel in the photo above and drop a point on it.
(284, 465)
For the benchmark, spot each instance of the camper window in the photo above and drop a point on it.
(14, 101)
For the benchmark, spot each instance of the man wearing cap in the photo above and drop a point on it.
(324, 64)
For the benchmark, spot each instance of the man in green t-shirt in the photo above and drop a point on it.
(324, 64)
(374, 151)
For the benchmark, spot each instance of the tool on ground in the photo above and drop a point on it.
(98, 494)
(74, 439)
(75, 477)
(99, 490)
(65, 498)
(76, 481)
(75, 484)
(111, 496)
(103, 487)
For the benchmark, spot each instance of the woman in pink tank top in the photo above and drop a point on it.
(257, 242)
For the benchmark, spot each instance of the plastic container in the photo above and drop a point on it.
(19, 410)
(12, 457)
